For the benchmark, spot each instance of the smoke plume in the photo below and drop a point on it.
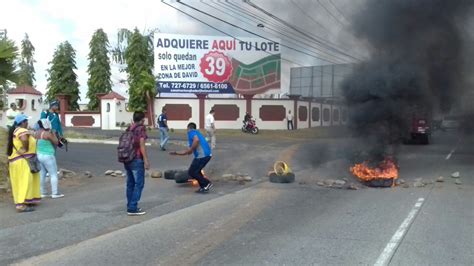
(416, 63)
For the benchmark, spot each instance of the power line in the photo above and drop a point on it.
(330, 13)
(221, 31)
(291, 30)
(298, 29)
(321, 53)
(248, 31)
(306, 14)
(338, 10)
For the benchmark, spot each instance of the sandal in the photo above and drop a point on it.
(25, 209)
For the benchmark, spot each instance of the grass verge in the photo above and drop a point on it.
(3, 157)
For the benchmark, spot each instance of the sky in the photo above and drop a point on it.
(50, 22)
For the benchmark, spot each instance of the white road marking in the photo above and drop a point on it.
(392, 245)
(450, 154)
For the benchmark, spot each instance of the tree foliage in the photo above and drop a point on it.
(98, 69)
(62, 78)
(26, 75)
(135, 50)
(8, 56)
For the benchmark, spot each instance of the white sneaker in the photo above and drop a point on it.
(57, 196)
(45, 196)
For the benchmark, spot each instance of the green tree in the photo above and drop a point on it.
(26, 75)
(98, 69)
(8, 56)
(62, 78)
(136, 51)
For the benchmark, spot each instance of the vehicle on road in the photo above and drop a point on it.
(250, 127)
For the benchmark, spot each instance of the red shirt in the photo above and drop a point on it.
(139, 132)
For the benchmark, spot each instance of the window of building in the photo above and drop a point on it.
(33, 105)
(108, 107)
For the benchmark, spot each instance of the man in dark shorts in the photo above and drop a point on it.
(202, 155)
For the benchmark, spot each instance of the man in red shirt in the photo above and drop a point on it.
(136, 168)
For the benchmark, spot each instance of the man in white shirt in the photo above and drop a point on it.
(289, 118)
(211, 128)
(11, 114)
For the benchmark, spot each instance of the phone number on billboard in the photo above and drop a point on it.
(186, 85)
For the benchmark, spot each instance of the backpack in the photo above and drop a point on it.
(126, 150)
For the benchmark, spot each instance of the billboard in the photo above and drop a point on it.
(216, 64)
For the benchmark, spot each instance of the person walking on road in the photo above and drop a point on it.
(136, 168)
(21, 147)
(46, 143)
(289, 118)
(163, 126)
(211, 128)
(202, 155)
(11, 113)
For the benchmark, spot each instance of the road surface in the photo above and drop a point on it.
(264, 223)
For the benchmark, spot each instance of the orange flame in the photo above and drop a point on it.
(387, 169)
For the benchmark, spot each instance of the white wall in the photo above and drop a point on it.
(109, 114)
(69, 116)
(182, 124)
(326, 123)
(303, 124)
(209, 103)
(28, 108)
(316, 123)
(256, 104)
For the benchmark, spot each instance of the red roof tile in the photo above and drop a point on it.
(113, 95)
(25, 90)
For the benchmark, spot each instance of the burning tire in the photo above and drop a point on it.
(169, 174)
(181, 176)
(285, 178)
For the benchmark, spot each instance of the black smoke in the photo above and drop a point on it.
(416, 65)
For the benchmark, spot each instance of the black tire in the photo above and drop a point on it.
(181, 176)
(169, 174)
(255, 130)
(286, 178)
(425, 140)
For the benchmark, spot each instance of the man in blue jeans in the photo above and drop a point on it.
(136, 168)
(202, 155)
(163, 125)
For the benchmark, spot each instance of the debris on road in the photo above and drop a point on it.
(406, 185)
(440, 179)
(458, 182)
(418, 184)
(338, 183)
(109, 172)
(455, 175)
(320, 183)
(156, 174)
(64, 173)
(87, 174)
(353, 186)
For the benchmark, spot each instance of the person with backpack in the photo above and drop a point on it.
(132, 153)
(202, 155)
(163, 125)
(53, 116)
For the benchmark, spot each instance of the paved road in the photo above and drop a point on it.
(293, 224)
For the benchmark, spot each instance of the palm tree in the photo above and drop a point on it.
(8, 73)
